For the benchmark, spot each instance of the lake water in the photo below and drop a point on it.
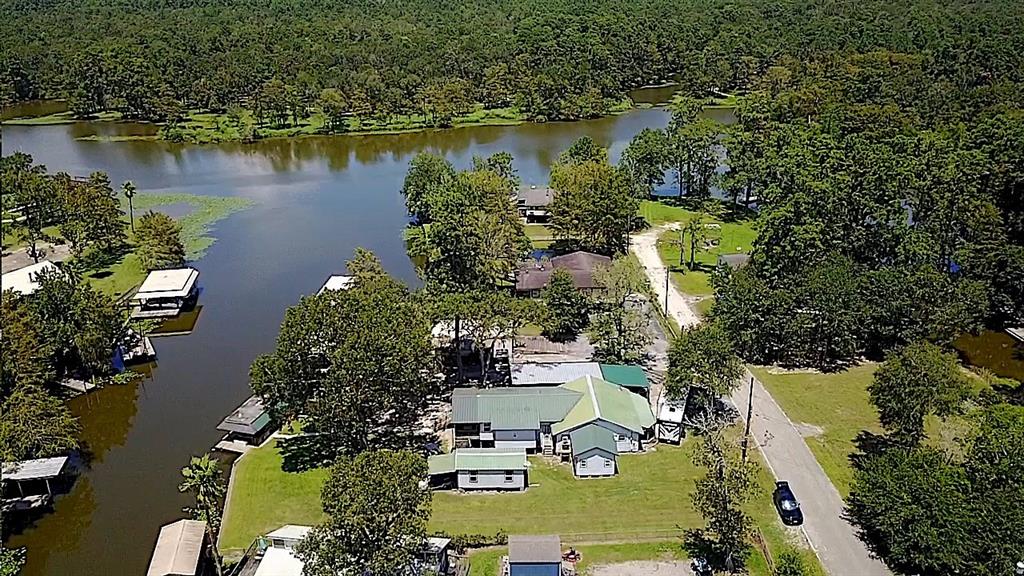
(316, 200)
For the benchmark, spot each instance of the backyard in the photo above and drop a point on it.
(647, 504)
(734, 232)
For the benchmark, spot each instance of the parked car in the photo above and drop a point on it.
(787, 505)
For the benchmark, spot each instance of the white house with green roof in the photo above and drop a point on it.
(588, 421)
(479, 469)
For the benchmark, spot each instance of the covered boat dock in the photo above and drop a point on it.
(165, 293)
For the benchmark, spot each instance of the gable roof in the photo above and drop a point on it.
(477, 459)
(290, 532)
(534, 275)
(605, 401)
(534, 549)
(512, 408)
(629, 376)
(590, 437)
(178, 548)
(552, 373)
(528, 196)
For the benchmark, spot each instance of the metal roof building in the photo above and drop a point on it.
(248, 419)
(604, 401)
(179, 549)
(477, 459)
(515, 408)
(38, 469)
(534, 555)
(552, 373)
(25, 281)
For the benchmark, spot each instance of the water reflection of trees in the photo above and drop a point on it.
(60, 531)
(106, 416)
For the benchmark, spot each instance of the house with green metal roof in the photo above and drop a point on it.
(588, 421)
(628, 376)
(479, 469)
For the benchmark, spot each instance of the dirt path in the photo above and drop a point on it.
(784, 449)
(645, 246)
(19, 258)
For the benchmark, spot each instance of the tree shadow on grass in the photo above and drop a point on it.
(308, 452)
(869, 444)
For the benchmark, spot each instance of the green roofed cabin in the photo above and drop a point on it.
(479, 469)
(607, 419)
(248, 425)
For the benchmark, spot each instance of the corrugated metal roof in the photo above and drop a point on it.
(178, 548)
(534, 549)
(174, 283)
(518, 406)
(552, 373)
(34, 469)
(592, 436)
(290, 532)
(607, 402)
(625, 375)
(477, 459)
(249, 418)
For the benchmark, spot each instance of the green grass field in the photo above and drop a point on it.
(734, 235)
(539, 234)
(647, 503)
(837, 403)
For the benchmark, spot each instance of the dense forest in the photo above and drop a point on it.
(564, 59)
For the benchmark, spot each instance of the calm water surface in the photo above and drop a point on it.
(316, 200)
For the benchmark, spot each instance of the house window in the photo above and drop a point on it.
(508, 476)
(607, 463)
(472, 477)
(583, 463)
(485, 427)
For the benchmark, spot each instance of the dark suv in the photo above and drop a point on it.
(786, 504)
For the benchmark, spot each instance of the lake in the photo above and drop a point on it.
(316, 199)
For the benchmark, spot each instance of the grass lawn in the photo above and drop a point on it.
(735, 235)
(646, 505)
(196, 226)
(837, 403)
(264, 497)
(539, 234)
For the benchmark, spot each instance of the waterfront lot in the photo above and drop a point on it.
(648, 502)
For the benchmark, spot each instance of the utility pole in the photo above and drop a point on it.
(750, 411)
(666, 292)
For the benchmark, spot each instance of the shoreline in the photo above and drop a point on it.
(209, 128)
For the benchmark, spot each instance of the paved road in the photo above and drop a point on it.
(832, 538)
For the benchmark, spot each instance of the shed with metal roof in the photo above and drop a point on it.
(181, 550)
(479, 469)
(628, 376)
(534, 555)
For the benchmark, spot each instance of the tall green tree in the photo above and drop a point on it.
(376, 516)
(566, 309)
(620, 326)
(719, 497)
(913, 382)
(159, 242)
(690, 149)
(358, 362)
(428, 177)
(90, 215)
(593, 207)
(702, 358)
(644, 161)
(36, 424)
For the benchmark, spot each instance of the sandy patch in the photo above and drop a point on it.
(642, 568)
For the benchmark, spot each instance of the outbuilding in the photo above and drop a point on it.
(669, 427)
(182, 549)
(534, 556)
(29, 484)
(337, 282)
(479, 469)
(247, 425)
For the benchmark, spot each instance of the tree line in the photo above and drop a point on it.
(562, 59)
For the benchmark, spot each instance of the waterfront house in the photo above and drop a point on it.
(248, 425)
(30, 484)
(534, 556)
(25, 281)
(533, 202)
(543, 419)
(480, 469)
(533, 276)
(182, 549)
(165, 293)
(337, 282)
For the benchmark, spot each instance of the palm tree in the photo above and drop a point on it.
(203, 479)
(129, 192)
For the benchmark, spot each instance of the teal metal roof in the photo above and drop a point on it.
(592, 436)
(625, 375)
(512, 408)
(477, 459)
